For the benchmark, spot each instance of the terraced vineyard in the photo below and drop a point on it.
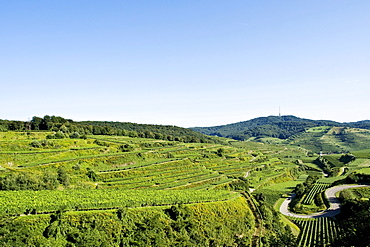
(115, 172)
(124, 163)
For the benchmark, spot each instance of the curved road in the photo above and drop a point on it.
(333, 201)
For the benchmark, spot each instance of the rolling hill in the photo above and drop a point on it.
(315, 135)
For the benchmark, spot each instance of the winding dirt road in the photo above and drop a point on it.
(333, 201)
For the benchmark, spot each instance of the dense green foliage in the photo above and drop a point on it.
(25, 181)
(354, 178)
(355, 219)
(276, 233)
(177, 225)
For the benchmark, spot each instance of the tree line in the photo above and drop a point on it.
(67, 128)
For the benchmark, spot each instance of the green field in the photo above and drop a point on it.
(288, 186)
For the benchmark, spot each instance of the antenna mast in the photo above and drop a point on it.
(279, 112)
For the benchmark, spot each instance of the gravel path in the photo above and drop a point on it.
(333, 201)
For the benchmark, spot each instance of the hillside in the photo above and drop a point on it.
(331, 139)
(81, 191)
(273, 126)
(65, 183)
(314, 135)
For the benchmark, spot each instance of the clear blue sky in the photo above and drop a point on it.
(185, 63)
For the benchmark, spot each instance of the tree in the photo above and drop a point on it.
(59, 135)
(50, 181)
(75, 135)
(36, 144)
(300, 189)
(44, 125)
(91, 174)
(35, 123)
(220, 152)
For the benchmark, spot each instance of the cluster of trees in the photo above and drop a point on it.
(354, 178)
(29, 181)
(324, 165)
(357, 178)
(276, 234)
(240, 183)
(347, 158)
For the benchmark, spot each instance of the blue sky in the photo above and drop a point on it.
(185, 63)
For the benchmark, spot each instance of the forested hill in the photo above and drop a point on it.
(273, 126)
(167, 132)
(67, 128)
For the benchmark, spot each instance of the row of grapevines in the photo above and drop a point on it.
(317, 188)
(317, 232)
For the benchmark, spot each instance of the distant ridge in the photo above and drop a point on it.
(281, 127)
